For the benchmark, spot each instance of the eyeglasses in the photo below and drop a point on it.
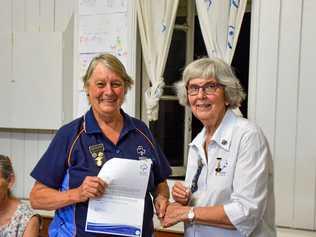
(194, 185)
(207, 88)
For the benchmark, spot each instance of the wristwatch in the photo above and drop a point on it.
(191, 215)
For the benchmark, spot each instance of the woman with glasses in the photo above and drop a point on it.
(66, 175)
(228, 189)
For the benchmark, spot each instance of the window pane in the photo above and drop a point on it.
(181, 12)
(196, 127)
(175, 62)
(169, 130)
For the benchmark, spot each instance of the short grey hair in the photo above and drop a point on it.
(212, 68)
(112, 63)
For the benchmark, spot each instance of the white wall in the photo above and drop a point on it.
(26, 146)
(281, 87)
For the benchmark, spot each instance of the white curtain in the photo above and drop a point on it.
(220, 22)
(156, 21)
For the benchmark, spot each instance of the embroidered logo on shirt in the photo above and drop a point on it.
(141, 152)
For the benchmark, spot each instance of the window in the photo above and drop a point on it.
(176, 127)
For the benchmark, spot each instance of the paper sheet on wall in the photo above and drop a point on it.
(89, 7)
(104, 33)
(120, 210)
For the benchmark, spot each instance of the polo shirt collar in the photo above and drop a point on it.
(91, 124)
(222, 135)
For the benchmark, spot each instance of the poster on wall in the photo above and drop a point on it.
(90, 7)
(103, 28)
(104, 33)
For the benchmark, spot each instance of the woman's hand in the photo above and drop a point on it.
(43, 197)
(91, 187)
(180, 193)
(174, 214)
(162, 199)
(161, 203)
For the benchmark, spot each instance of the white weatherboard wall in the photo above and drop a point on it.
(36, 73)
(26, 146)
(281, 88)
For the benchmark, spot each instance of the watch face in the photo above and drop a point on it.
(191, 214)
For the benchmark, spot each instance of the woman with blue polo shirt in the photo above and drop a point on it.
(66, 175)
(228, 189)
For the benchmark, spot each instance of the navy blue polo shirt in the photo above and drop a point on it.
(53, 169)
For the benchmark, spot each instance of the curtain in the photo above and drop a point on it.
(220, 22)
(156, 21)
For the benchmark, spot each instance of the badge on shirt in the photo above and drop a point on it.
(97, 152)
(220, 167)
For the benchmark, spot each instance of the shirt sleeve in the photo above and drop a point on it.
(51, 168)
(250, 185)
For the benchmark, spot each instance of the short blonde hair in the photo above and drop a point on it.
(212, 68)
(112, 63)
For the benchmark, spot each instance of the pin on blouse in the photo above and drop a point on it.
(218, 168)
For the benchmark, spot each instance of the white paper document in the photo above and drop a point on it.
(120, 210)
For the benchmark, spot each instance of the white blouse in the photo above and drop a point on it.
(238, 174)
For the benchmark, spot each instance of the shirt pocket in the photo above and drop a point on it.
(219, 183)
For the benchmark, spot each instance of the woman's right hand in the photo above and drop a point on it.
(181, 193)
(91, 187)
(46, 198)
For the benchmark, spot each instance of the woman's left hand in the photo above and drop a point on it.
(162, 199)
(161, 203)
(174, 214)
